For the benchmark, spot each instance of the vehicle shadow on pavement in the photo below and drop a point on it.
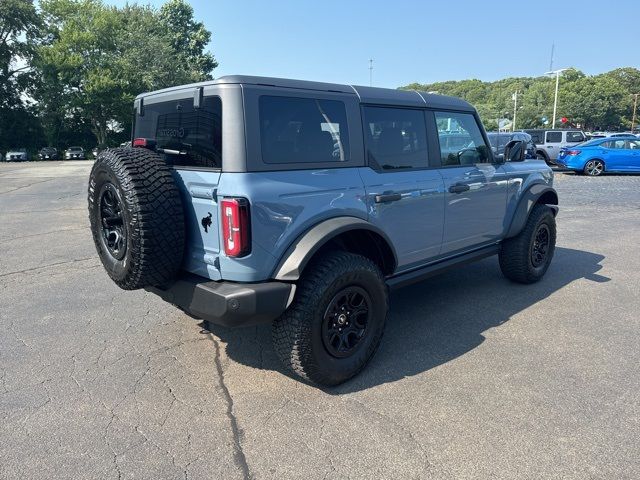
(434, 321)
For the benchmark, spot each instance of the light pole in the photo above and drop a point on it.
(371, 72)
(555, 100)
(515, 109)
(635, 106)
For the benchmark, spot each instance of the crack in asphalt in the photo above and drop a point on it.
(27, 186)
(9, 239)
(41, 267)
(239, 457)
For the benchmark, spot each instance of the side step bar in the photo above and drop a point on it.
(407, 278)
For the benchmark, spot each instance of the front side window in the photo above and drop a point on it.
(303, 130)
(461, 141)
(184, 135)
(554, 137)
(575, 137)
(396, 138)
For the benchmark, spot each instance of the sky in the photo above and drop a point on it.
(416, 41)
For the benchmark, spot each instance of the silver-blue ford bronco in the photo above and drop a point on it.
(247, 199)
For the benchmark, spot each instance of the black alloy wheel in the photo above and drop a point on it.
(114, 229)
(540, 246)
(345, 321)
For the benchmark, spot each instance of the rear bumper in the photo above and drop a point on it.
(228, 303)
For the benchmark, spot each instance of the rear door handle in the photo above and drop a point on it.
(459, 188)
(388, 197)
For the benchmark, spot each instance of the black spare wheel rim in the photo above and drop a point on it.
(345, 321)
(540, 247)
(114, 229)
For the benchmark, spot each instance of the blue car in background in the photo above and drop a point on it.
(611, 154)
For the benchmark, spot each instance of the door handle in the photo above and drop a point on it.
(388, 197)
(459, 188)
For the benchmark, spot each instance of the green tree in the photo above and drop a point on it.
(188, 39)
(19, 22)
(595, 102)
(97, 58)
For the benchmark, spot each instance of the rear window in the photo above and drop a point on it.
(303, 130)
(185, 136)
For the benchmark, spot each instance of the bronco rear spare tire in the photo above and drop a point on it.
(136, 216)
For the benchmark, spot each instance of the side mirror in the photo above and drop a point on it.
(515, 151)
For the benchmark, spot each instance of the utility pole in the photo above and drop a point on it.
(553, 47)
(555, 100)
(515, 110)
(635, 106)
(371, 72)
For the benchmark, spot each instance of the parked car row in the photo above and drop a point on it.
(46, 153)
(595, 135)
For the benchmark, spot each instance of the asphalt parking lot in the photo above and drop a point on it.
(476, 377)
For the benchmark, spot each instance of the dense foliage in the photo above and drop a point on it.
(82, 63)
(599, 102)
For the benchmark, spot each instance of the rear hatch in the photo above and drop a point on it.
(189, 139)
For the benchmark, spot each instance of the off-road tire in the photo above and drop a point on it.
(516, 253)
(297, 334)
(154, 226)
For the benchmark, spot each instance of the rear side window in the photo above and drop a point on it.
(396, 138)
(554, 137)
(537, 137)
(575, 137)
(303, 130)
(184, 135)
(461, 142)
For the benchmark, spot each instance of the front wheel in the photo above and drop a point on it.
(336, 321)
(525, 258)
(594, 168)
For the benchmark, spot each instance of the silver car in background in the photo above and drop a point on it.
(75, 153)
(17, 155)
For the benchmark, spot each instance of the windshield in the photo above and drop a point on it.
(75, 148)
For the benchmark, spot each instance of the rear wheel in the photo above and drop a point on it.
(336, 321)
(594, 168)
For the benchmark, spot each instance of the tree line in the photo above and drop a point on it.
(70, 69)
(596, 102)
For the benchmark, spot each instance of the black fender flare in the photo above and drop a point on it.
(302, 250)
(527, 200)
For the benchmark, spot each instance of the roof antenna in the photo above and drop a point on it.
(371, 72)
(553, 47)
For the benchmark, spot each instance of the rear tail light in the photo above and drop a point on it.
(144, 143)
(573, 152)
(236, 226)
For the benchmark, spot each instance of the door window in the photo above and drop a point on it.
(614, 144)
(575, 137)
(461, 141)
(396, 138)
(554, 137)
(303, 130)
